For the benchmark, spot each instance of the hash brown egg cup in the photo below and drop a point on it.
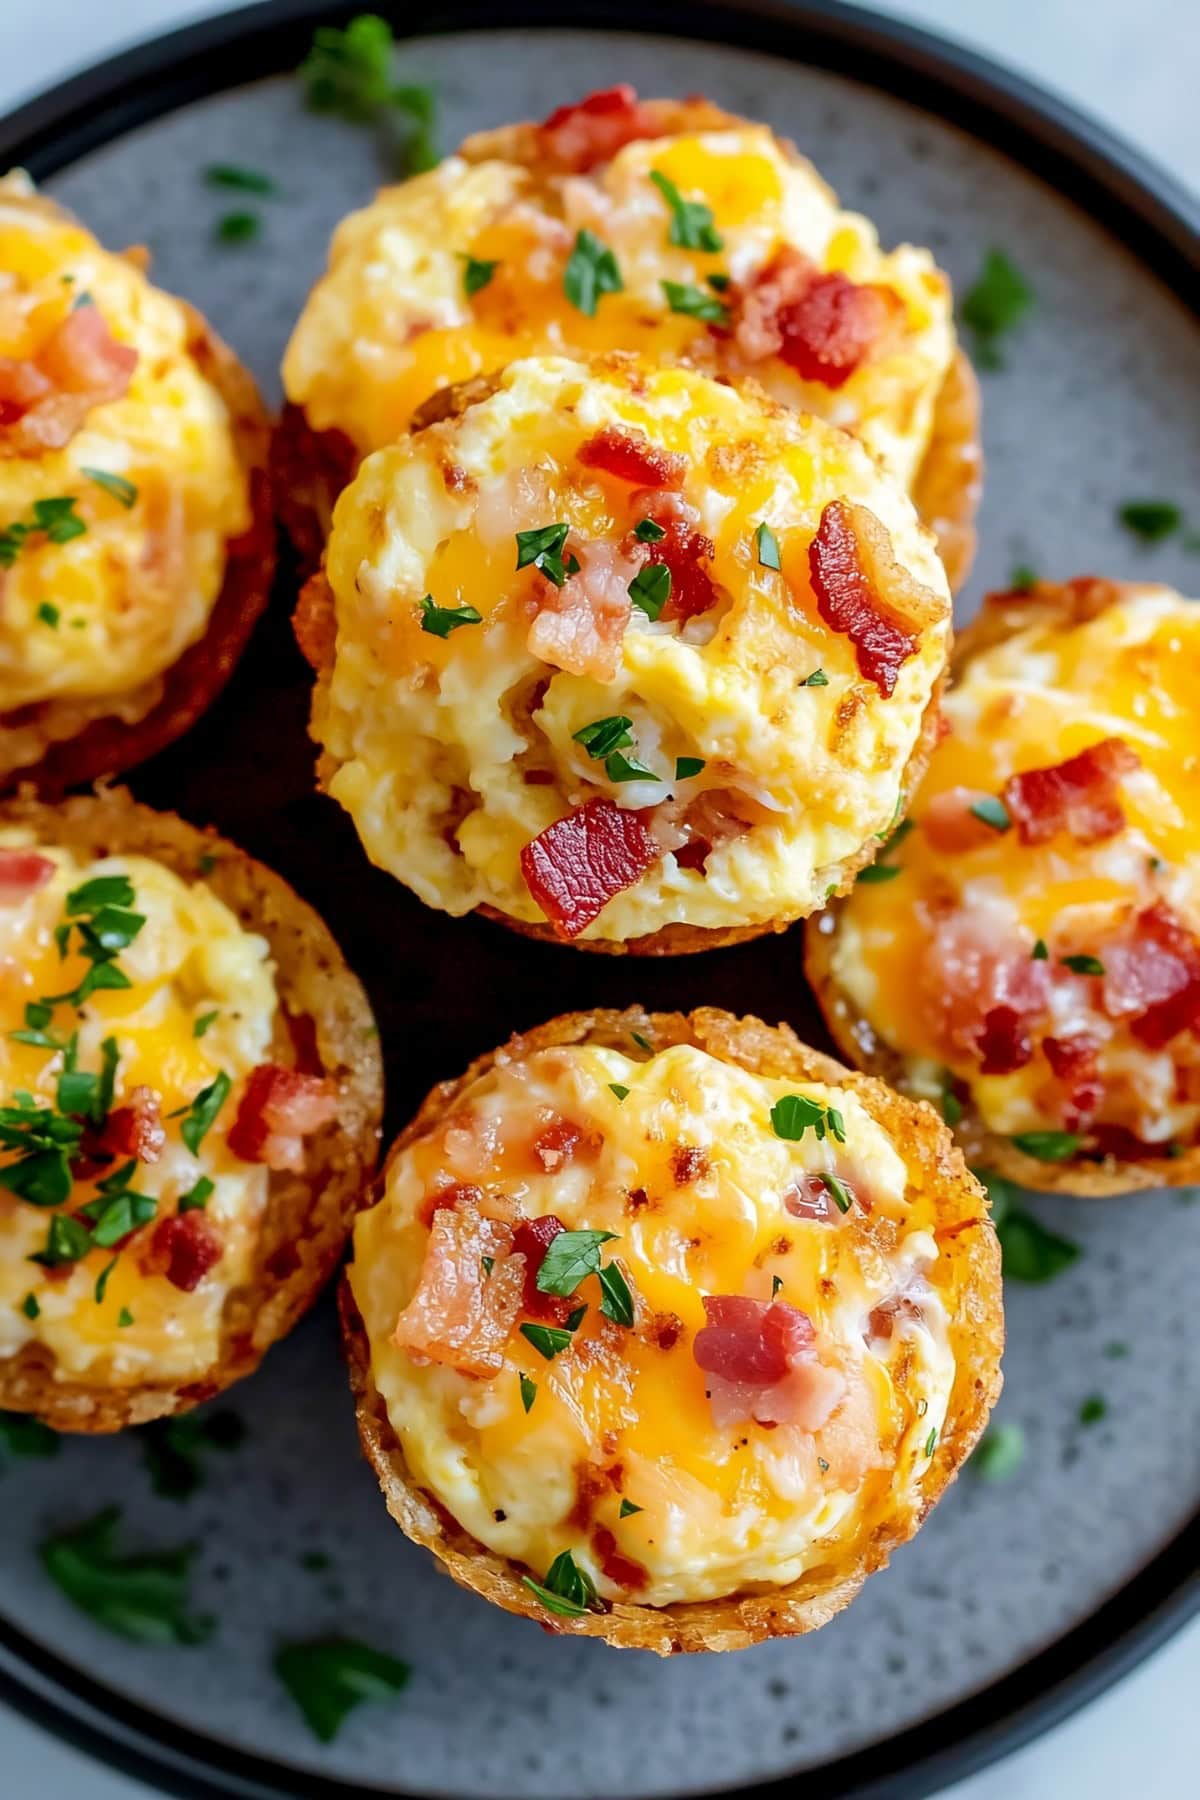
(667, 1330)
(667, 228)
(192, 1095)
(625, 657)
(1034, 963)
(137, 542)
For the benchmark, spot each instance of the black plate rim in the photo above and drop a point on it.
(1159, 221)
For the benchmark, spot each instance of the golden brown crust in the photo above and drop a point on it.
(949, 483)
(970, 1257)
(308, 1216)
(102, 744)
(1058, 604)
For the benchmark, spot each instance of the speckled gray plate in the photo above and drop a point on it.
(1097, 404)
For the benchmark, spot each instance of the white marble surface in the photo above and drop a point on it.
(1131, 62)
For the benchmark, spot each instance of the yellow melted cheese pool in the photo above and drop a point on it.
(679, 1161)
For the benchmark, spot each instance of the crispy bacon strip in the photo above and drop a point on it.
(760, 1362)
(279, 1109)
(44, 401)
(22, 872)
(137, 1128)
(852, 569)
(1004, 1041)
(460, 1314)
(1152, 977)
(1073, 1061)
(630, 456)
(823, 325)
(576, 866)
(590, 132)
(184, 1248)
(1078, 796)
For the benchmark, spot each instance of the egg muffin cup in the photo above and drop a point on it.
(310, 465)
(66, 742)
(1001, 616)
(323, 1021)
(970, 1278)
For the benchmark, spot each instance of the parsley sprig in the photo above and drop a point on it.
(794, 1114)
(692, 226)
(567, 1589)
(542, 549)
(591, 272)
(349, 74)
(54, 519)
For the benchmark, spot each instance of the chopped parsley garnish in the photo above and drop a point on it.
(548, 1340)
(627, 1509)
(202, 1024)
(30, 1307)
(879, 871)
(101, 1286)
(818, 678)
(795, 1114)
(567, 1589)
(99, 910)
(528, 1392)
(570, 1256)
(46, 1141)
(67, 1240)
(931, 1442)
(172, 1449)
(1000, 1454)
(544, 549)
(650, 589)
(117, 1209)
(244, 181)
(54, 519)
(719, 284)
(203, 1111)
(487, 1264)
(1083, 965)
(237, 227)
(1039, 953)
(349, 74)
(767, 546)
(1150, 520)
(776, 1286)
(207, 863)
(124, 1317)
(619, 1090)
(687, 766)
(49, 614)
(694, 303)
(1022, 578)
(23, 1435)
(838, 1192)
(892, 838)
(992, 811)
(440, 621)
(627, 768)
(1030, 1251)
(1116, 1349)
(1094, 1408)
(142, 1597)
(643, 1043)
(692, 226)
(603, 736)
(477, 272)
(1047, 1146)
(329, 1678)
(197, 1197)
(646, 531)
(948, 1100)
(124, 492)
(617, 1302)
(590, 272)
(998, 301)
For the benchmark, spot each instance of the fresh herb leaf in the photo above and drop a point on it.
(49, 614)
(619, 1090)
(999, 300)
(619, 767)
(931, 1442)
(548, 1340)
(719, 283)
(57, 519)
(687, 766)
(692, 226)
(838, 1192)
(329, 1678)
(23, 1435)
(603, 736)
(643, 1043)
(101, 891)
(646, 531)
(1039, 953)
(1000, 1454)
(202, 1024)
(30, 1307)
(142, 1597)
(570, 1256)
(567, 1589)
(203, 1111)
(1022, 578)
(767, 546)
(795, 1114)
(544, 549)
(951, 1105)
(617, 1303)
(776, 1286)
(1047, 1146)
(818, 678)
(68, 1239)
(349, 74)
(477, 272)
(440, 621)
(124, 1317)
(650, 589)
(237, 227)
(879, 871)
(115, 1215)
(591, 271)
(694, 303)
(243, 181)
(1150, 520)
(627, 1509)
(1083, 965)
(1116, 1349)
(173, 1449)
(528, 1392)
(101, 1286)
(992, 811)
(1031, 1252)
(197, 1197)
(1094, 1408)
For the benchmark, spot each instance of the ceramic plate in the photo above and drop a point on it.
(1017, 1598)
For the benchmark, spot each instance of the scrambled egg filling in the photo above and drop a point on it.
(400, 312)
(98, 611)
(198, 1009)
(1039, 698)
(452, 752)
(681, 1164)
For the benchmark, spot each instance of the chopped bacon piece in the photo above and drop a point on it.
(455, 1195)
(845, 560)
(760, 1362)
(688, 1164)
(184, 1248)
(531, 1239)
(1074, 1063)
(973, 965)
(591, 131)
(951, 826)
(460, 1315)
(1152, 977)
(694, 830)
(824, 326)
(44, 402)
(575, 867)
(1004, 1042)
(882, 1321)
(278, 1110)
(630, 456)
(559, 1142)
(22, 872)
(683, 550)
(1079, 795)
(137, 1128)
(579, 626)
(614, 1565)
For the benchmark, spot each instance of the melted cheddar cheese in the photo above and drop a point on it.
(391, 321)
(200, 1003)
(680, 1163)
(452, 753)
(98, 617)
(950, 918)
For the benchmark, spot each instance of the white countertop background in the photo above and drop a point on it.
(1134, 64)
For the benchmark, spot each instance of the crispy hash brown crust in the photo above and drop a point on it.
(85, 741)
(1065, 604)
(308, 1216)
(949, 484)
(970, 1257)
